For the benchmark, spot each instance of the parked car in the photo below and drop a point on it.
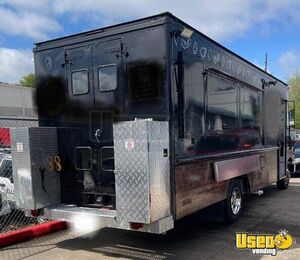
(7, 201)
(296, 161)
(297, 138)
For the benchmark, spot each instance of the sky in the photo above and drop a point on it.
(250, 28)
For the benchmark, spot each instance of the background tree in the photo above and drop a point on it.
(28, 81)
(294, 95)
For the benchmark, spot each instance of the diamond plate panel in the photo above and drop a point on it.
(132, 171)
(159, 169)
(32, 150)
(142, 171)
(21, 168)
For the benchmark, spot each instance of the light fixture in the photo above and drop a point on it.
(187, 33)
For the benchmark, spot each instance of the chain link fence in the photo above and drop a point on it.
(10, 217)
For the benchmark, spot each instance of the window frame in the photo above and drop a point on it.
(237, 95)
(75, 157)
(103, 66)
(88, 82)
(259, 95)
(240, 85)
(161, 88)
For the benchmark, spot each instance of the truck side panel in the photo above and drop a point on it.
(197, 188)
(222, 113)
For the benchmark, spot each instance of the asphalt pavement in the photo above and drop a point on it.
(192, 238)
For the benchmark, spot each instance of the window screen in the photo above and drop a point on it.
(80, 82)
(107, 77)
(145, 82)
(222, 104)
(250, 109)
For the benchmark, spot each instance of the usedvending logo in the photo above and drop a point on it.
(265, 244)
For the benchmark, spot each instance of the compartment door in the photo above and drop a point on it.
(282, 139)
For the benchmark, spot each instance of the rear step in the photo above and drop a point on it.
(68, 212)
(100, 218)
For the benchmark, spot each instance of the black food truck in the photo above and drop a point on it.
(145, 122)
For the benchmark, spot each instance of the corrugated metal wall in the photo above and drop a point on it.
(17, 102)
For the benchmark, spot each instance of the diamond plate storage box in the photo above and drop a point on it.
(142, 169)
(36, 181)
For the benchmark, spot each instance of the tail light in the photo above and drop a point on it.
(136, 226)
(35, 213)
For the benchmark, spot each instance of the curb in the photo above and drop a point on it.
(28, 233)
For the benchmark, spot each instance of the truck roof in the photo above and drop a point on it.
(131, 26)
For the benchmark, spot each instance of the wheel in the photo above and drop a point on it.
(234, 202)
(283, 184)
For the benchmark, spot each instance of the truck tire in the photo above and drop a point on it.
(283, 184)
(234, 202)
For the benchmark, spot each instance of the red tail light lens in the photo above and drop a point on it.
(136, 226)
(35, 213)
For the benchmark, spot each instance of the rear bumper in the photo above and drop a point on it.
(101, 218)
